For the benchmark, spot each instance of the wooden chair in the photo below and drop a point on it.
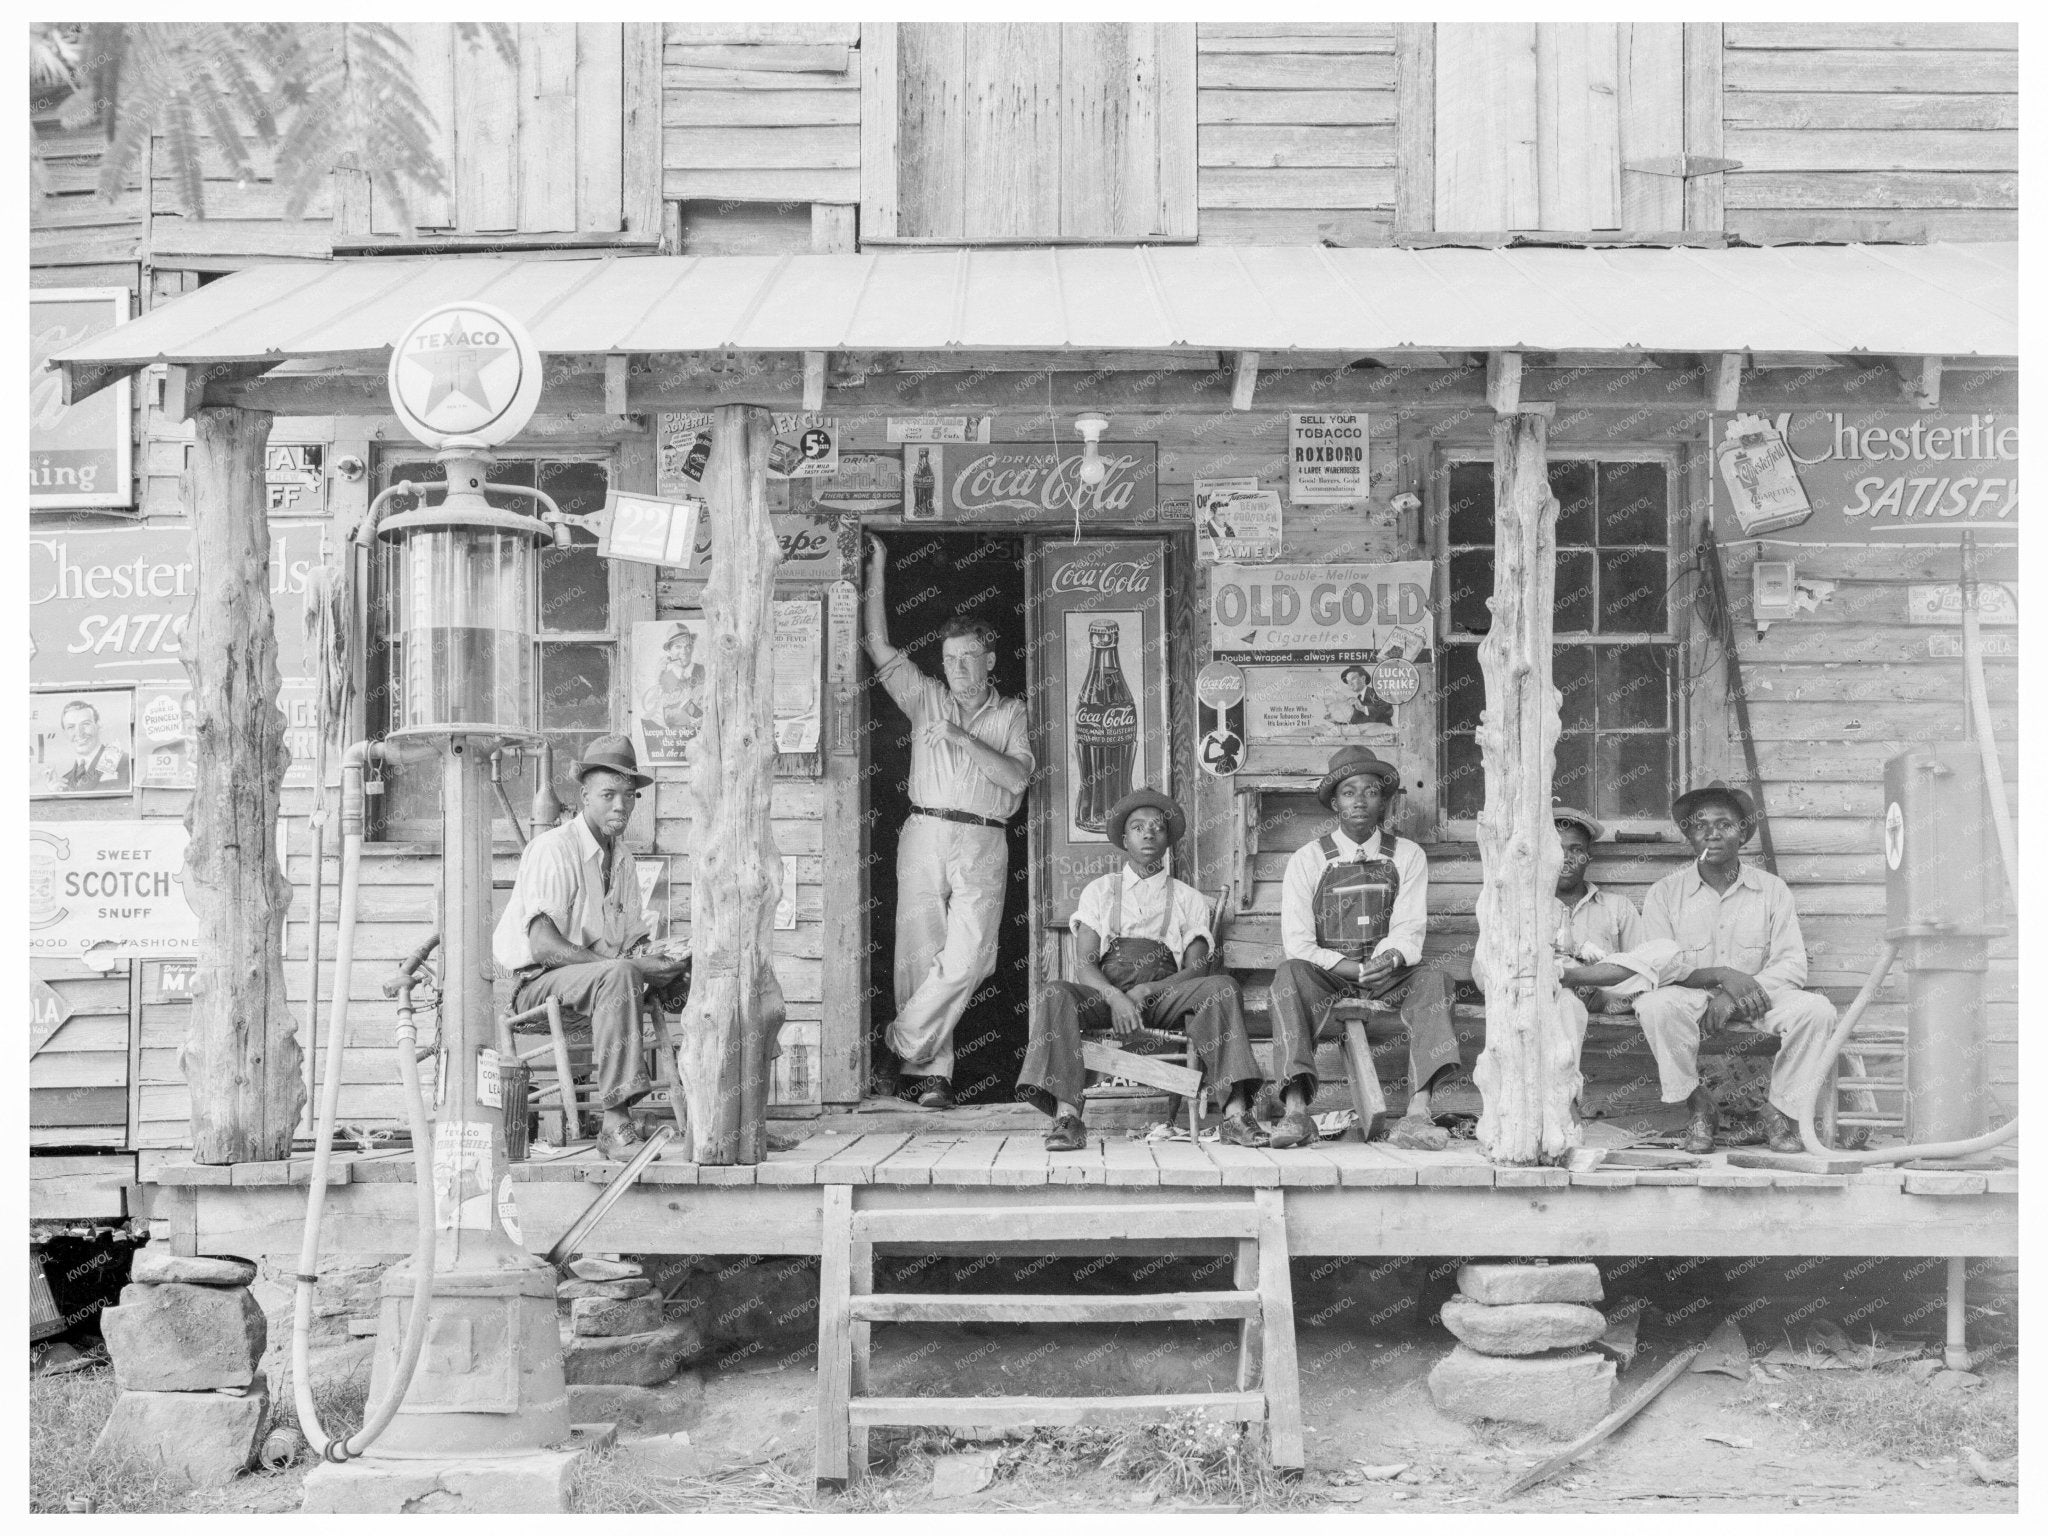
(567, 1065)
(1173, 1071)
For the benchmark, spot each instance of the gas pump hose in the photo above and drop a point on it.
(323, 1141)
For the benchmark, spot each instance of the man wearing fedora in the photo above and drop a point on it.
(1739, 957)
(1141, 962)
(572, 925)
(1353, 911)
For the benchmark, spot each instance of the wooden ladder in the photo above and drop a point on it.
(1261, 1300)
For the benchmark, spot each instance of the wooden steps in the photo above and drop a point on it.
(1260, 1301)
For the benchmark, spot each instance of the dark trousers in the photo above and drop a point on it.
(1303, 994)
(608, 993)
(1207, 1009)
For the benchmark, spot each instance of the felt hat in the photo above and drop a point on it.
(613, 754)
(1176, 818)
(1594, 830)
(1685, 805)
(1346, 762)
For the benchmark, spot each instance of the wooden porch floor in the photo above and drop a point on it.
(1342, 1198)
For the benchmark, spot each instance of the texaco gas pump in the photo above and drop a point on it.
(465, 609)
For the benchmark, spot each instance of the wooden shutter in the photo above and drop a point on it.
(563, 139)
(1538, 124)
(1027, 131)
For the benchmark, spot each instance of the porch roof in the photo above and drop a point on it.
(1933, 300)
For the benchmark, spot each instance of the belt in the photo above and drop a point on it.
(965, 818)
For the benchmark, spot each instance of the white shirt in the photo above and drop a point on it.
(1407, 923)
(1600, 918)
(943, 777)
(561, 875)
(1159, 907)
(1751, 926)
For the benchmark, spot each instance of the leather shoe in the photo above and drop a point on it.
(1241, 1130)
(1067, 1134)
(935, 1093)
(1699, 1131)
(622, 1145)
(1781, 1131)
(1295, 1130)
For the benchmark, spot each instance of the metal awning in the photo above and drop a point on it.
(1952, 300)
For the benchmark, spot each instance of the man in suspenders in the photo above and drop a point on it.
(1353, 910)
(1141, 966)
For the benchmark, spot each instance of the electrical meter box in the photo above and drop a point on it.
(1940, 858)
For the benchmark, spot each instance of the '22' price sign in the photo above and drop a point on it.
(649, 529)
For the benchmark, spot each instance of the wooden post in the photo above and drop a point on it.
(1527, 1075)
(242, 1056)
(736, 1005)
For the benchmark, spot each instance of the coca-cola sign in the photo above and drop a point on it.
(1036, 482)
(1110, 578)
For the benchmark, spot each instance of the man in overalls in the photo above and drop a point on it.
(970, 762)
(1141, 967)
(1353, 911)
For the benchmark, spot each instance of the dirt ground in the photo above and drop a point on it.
(741, 1438)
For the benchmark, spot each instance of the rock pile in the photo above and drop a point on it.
(1522, 1329)
(617, 1332)
(186, 1341)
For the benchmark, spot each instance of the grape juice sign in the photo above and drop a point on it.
(1037, 483)
(1103, 636)
(1893, 477)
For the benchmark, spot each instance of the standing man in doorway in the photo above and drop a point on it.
(970, 760)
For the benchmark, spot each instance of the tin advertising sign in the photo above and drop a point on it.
(1320, 613)
(1102, 643)
(78, 454)
(1032, 483)
(1868, 477)
(114, 887)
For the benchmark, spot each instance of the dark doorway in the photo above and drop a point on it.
(932, 577)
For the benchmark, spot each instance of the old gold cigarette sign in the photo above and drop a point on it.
(465, 376)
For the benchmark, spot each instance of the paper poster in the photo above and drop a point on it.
(806, 447)
(652, 872)
(668, 692)
(1331, 704)
(937, 429)
(1329, 458)
(82, 743)
(794, 1077)
(1320, 613)
(114, 887)
(1236, 522)
(78, 454)
(166, 735)
(785, 904)
(463, 1174)
(799, 664)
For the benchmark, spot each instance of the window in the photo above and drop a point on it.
(578, 639)
(1614, 652)
(1039, 131)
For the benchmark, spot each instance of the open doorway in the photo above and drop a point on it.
(931, 578)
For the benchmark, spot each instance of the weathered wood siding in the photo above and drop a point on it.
(71, 226)
(1296, 132)
(1872, 130)
(760, 112)
(79, 1083)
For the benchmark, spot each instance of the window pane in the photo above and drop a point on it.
(1471, 508)
(576, 687)
(1573, 609)
(1573, 781)
(1463, 790)
(1635, 687)
(1571, 668)
(568, 747)
(1635, 775)
(578, 486)
(1634, 499)
(1464, 691)
(1471, 586)
(1632, 592)
(1571, 482)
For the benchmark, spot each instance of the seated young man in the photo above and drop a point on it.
(1353, 912)
(574, 925)
(1737, 956)
(1141, 953)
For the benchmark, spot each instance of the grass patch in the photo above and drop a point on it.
(611, 1485)
(65, 1416)
(1886, 1413)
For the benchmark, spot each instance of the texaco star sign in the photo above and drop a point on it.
(465, 376)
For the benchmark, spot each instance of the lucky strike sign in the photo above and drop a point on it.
(1035, 482)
